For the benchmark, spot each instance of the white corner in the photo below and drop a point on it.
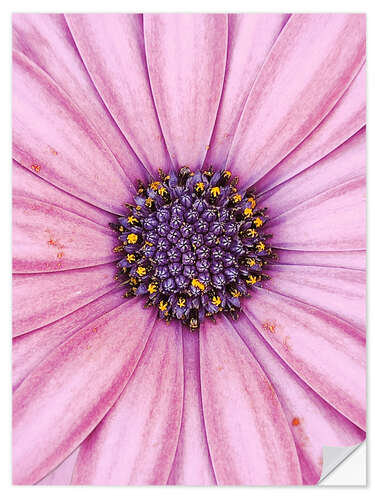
(344, 466)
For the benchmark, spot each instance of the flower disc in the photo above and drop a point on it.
(193, 245)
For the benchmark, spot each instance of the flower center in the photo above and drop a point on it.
(193, 245)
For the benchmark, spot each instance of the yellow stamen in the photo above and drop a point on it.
(215, 191)
(152, 287)
(251, 262)
(148, 243)
(260, 246)
(247, 212)
(162, 190)
(199, 186)
(181, 302)
(253, 233)
(132, 219)
(141, 271)
(258, 222)
(121, 229)
(130, 257)
(138, 207)
(154, 185)
(251, 280)
(132, 238)
(227, 174)
(133, 280)
(197, 284)
(252, 201)
(237, 198)
(235, 293)
(149, 202)
(216, 300)
(163, 305)
(119, 248)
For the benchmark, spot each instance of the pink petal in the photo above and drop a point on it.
(136, 441)
(247, 432)
(62, 475)
(69, 392)
(341, 292)
(112, 48)
(49, 238)
(313, 422)
(333, 220)
(343, 164)
(192, 464)
(40, 299)
(46, 40)
(345, 260)
(250, 38)
(28, 184)
(313, 62)
(323, 350)
(30, 349)
(344, 120)
(186, 56)
(70, 154)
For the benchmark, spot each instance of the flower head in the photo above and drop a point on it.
(196, 248)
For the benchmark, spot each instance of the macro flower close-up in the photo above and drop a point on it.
(189, 247)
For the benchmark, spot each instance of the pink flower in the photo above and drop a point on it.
(103, 392)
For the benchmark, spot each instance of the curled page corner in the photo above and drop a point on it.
(334, 456)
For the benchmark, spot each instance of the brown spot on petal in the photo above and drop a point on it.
(53, 241)
(269, 326)
(36, 168)
(60, 255)
(300, 433)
